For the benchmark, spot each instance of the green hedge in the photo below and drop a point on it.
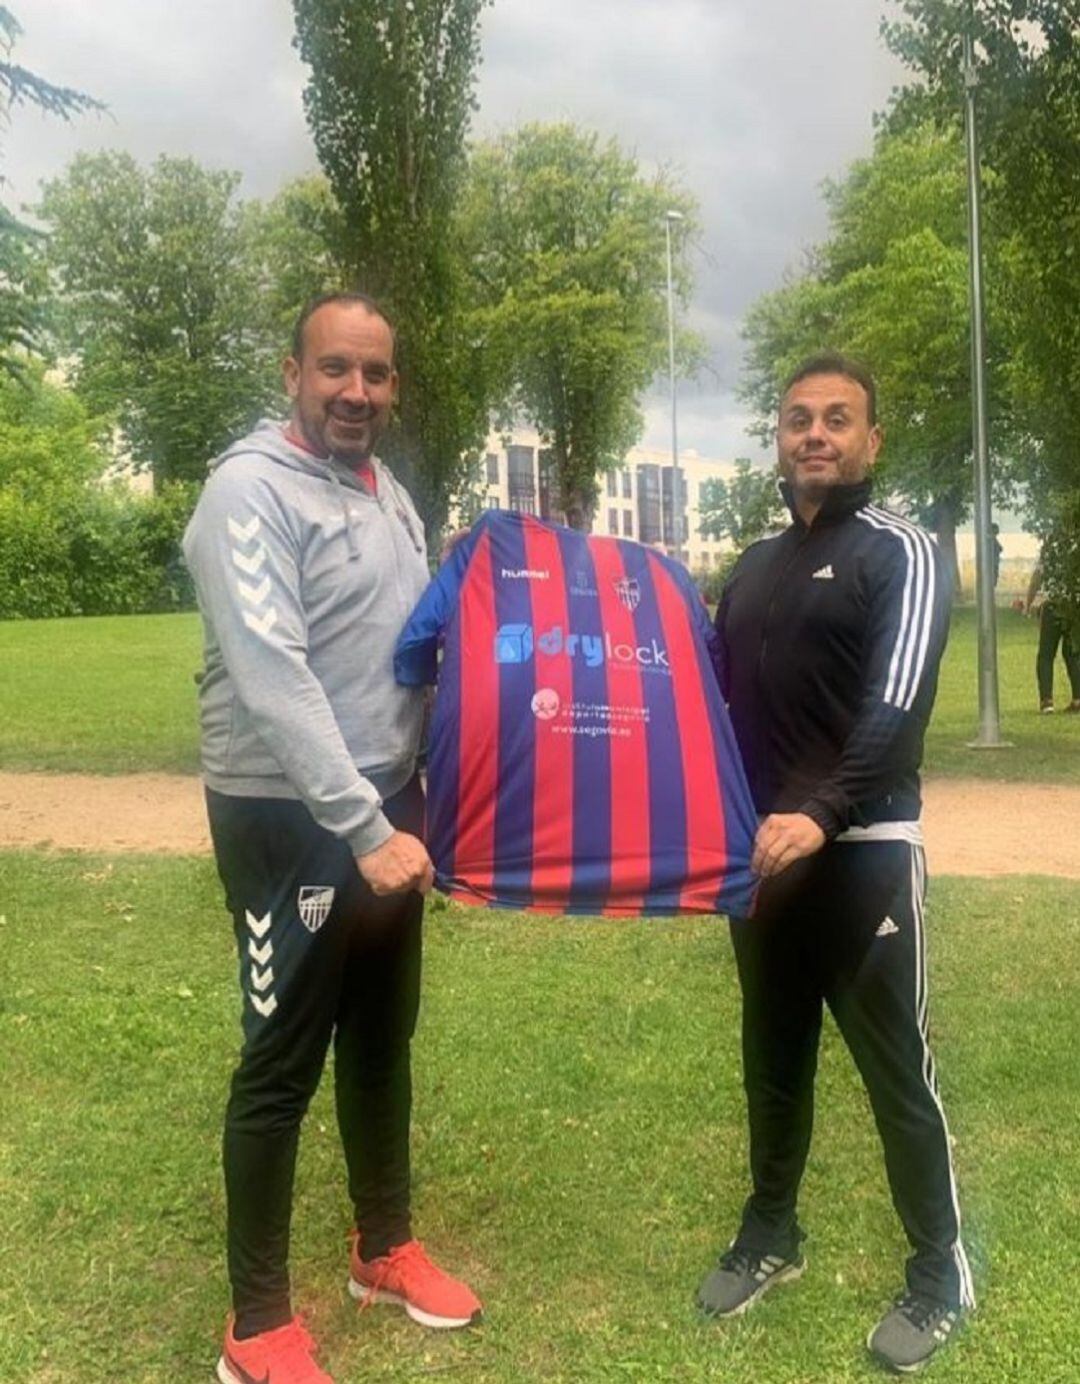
(93, 551)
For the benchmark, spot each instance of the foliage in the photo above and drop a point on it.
(389, 101)
(890, 286)
(22, 281)
(163, 307)
(299, 243)
(92, 551)
(48, 441)
(741, 509)
(1028, 101)
(566, 246)
(579, 1142)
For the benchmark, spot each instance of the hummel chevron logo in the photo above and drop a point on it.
(262, 980)
(264, 1006)
(887, 928)
(251, 565)
(260, 955)
(259, 926)
(244, 533)
(254, 595)
(825, 573)
(261, 624)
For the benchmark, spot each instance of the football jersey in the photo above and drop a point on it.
(580, 759)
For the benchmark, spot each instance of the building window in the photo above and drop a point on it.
(493, 502)
(611, 487)
(613, 521)
(648, 504)
(546, 467)
(627, 523)
(492, 463)
(626, 486)
(521, 475)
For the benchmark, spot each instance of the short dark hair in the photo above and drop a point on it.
(833, 363)
(353, 296)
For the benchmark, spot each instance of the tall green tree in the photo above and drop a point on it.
(23, 285)
(890, 286)
(389, 102)
(1028, 101)
(162, 305)
(566, 245)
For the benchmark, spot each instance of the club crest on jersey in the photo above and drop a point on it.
(314, 903)
(628, 591)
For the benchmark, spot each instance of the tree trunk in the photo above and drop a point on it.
(945, 531)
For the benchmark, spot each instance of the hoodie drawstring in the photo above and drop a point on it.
(350, 533)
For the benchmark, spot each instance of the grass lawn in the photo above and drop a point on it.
(102, 694)
(116, 694)
(579, 1144)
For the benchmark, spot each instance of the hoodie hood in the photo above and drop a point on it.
(268, 439)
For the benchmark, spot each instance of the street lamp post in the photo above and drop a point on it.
(989, 736)
(676, 517)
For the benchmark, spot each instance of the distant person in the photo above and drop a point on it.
(308, 556)
(831, 634)
(1054, 630)
(995, 555)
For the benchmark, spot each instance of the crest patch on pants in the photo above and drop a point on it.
(314, 903)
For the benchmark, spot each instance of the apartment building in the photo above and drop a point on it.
(637, 499)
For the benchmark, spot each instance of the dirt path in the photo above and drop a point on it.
(972, 827)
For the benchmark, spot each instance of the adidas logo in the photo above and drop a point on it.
(887, 927)
(825, 573)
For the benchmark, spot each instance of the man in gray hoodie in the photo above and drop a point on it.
(308, 556)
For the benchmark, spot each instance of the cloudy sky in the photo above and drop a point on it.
(750, 103)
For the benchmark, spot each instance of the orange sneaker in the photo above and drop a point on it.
(406, 1276)
(282, 1356)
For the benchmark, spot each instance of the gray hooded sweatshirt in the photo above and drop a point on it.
(304, 580)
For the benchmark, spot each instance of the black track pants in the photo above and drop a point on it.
(321, 957)
(1054, 631)
(845, 928)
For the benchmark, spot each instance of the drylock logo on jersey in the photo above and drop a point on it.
(517, 644)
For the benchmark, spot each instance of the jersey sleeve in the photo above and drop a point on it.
(244, 560)
(907, 629)
(416, 656)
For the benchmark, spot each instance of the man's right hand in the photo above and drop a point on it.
(401, 863)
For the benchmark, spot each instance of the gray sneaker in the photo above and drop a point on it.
(741, 1277)
(909, 1334)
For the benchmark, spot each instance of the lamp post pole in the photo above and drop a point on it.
(989, 736)
(676, 516)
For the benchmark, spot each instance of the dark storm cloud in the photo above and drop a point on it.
(749, 105)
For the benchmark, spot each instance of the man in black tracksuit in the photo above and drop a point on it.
(830, 636)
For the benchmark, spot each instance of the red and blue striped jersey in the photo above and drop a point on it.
(581, 760)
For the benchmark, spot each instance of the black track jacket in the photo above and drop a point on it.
(830, 638)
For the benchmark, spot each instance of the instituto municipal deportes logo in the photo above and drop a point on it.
(517, 644)
(314, 903)
(545, 704)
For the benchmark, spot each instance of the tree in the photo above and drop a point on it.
(48, 441)
(22, 282)
(890, 286)
(741, 509)
(162, 305)
(389, 102)
(566, 247)
(1028, 99)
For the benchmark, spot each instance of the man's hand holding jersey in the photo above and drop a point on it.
(783, 838)
(400, 864)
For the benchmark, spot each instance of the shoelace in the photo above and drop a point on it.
(294, 1356)
(921, 1312)
(410, 1258)
(736, 1260)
